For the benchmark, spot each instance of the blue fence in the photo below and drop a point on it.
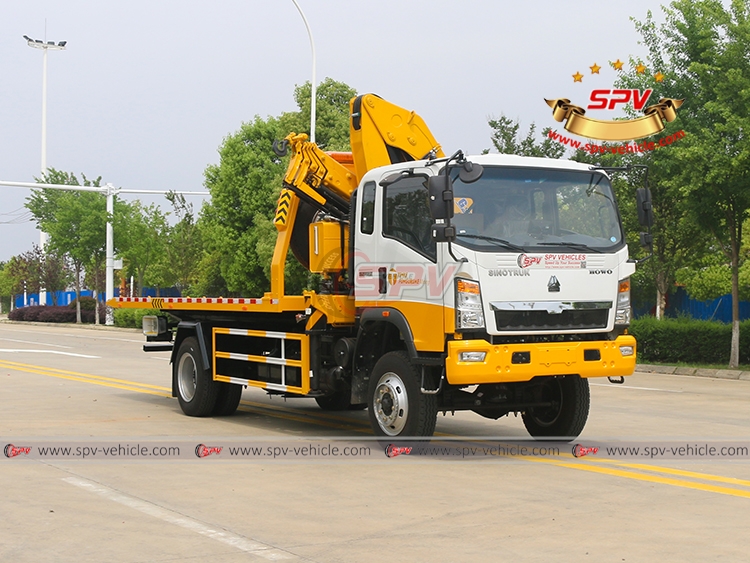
(680, 304)
(66, 297)
(715, 310)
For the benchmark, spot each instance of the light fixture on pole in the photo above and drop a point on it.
(313, 91)
(44, 46)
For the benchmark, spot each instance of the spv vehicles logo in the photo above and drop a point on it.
(651, 122)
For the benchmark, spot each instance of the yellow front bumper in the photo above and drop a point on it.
(558, 358)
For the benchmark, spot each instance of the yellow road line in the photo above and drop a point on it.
(260, 409)
(87, 375)
(683, 473)
(645, 477)
(319, 419)
(83, 378)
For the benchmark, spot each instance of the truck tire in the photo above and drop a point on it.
(196, 390)
(565, 419)
(397, 406)
(227, 399)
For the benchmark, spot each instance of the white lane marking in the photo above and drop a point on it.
(239, 542)
(87, 336)
(633, 387)
(12, 351)
(37, 343)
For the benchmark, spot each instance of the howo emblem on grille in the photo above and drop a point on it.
(553, 285)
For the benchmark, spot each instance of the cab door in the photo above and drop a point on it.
(396, 258)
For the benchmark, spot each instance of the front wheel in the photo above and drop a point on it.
(196, 390)
(564, 411)
(397, 406)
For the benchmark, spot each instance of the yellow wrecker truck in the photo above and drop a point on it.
(494, 283)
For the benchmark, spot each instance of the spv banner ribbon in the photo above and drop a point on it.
(626, 130)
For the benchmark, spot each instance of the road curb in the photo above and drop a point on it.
(698, 372)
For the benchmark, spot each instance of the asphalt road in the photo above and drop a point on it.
(69, 385)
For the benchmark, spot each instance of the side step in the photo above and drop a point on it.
(166, 347)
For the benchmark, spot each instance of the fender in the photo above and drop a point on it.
(390, 316)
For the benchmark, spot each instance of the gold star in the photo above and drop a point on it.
(640, 69)
(577, 77)
(659, 77)
(595, 69)
(617, 64)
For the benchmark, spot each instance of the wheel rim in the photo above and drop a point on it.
(187, 377)
(547, 416)
(391, 404)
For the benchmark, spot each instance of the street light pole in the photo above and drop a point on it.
(44, 46)
(110, 282)
(313, 92)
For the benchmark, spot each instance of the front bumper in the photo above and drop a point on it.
(558, 358)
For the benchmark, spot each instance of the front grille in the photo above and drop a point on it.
(542, 320)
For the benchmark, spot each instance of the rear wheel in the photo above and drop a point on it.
(227, 399)
(196, 390)
(397, 405)
(566, 410)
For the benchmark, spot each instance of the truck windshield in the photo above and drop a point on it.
(536, 209)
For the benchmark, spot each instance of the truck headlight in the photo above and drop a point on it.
(622, 316)
(469, 313)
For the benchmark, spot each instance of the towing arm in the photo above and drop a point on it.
(381, 133)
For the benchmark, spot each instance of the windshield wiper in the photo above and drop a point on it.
(571, 245)
(501, 242)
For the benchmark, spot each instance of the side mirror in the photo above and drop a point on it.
(470, 172)
(440, 191)
(647, 241)
(644, 207)
(443, 233)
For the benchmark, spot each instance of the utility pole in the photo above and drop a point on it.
(110, 192)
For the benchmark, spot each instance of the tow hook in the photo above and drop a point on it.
(280, 147)
(619, 380)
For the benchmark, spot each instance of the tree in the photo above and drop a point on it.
(331, 114)
(5, 285)
(53, 268)
(236, 226)
(179, 262)
(75, 221)
(506, 140)
(712, 276)
(703, 48)
(140, 234)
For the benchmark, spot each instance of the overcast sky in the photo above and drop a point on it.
(147, 89)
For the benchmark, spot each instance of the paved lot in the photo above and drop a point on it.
(68, 384)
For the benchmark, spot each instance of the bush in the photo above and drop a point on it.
(133, 318)
(50, 314)
(87, 303)
(687, 340)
